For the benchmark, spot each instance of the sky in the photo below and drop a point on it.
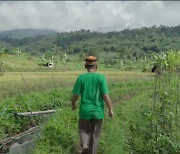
(104, 16)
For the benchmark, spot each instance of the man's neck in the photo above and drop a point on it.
(91, 70)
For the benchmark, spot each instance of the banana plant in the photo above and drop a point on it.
(43, 59)
(168, 61)
(160, 62)
(65, 60)
(18, 52)
(173, 60)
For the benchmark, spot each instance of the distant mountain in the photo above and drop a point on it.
(23, 33)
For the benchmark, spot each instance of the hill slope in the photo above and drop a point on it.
(23, 33)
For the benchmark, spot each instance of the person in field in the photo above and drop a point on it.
(93, 89)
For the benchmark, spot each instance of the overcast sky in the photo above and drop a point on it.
(94, 15)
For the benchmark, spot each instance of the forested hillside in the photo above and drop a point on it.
(127, 43)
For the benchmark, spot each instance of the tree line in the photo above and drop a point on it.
(127, 44)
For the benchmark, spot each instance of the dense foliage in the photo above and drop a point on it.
(129, 44)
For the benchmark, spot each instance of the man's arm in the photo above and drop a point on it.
(109, 104)
(74, 100)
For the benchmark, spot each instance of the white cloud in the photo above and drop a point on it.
(93, 15)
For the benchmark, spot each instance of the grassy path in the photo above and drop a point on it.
(60, 134)
(115, 134)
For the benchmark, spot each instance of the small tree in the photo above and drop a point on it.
(42, 59)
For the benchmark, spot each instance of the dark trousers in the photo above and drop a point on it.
(89, 131)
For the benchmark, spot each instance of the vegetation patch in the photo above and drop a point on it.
(10, 124)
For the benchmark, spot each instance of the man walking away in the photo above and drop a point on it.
(94, 91)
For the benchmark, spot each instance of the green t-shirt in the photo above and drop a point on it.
(91, 87)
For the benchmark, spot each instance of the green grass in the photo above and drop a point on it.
(51, 99)
(25, 90)
(114, 135)
(116, 132)
(28, 63)
(128, 132)
(25, 86)
(19, 63)
(18, 86)
(59, 134)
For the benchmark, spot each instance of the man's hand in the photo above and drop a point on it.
(74, 99)
(109, 104)
(73, 107)
(111, 113)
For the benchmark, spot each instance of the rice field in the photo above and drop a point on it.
(14, 83)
